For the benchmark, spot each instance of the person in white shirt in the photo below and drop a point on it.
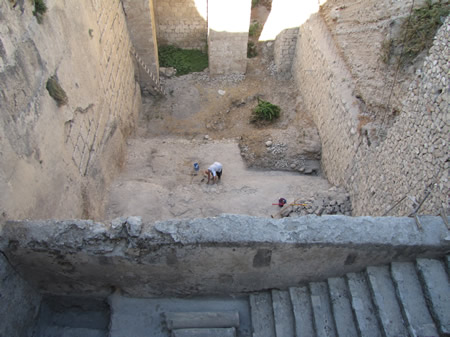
(214, 172)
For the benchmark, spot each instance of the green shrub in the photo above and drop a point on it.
(417, 32)
(255, 3)
(39, 9)
(185, 61)
(265, 111)
(56, 91)
(254, 28)
(251, 50)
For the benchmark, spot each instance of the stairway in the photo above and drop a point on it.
(400, 300)
(156, 84)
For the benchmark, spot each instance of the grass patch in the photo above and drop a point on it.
(185, 61)
(56, 91)
(39, 9)
(265, 112)
(417, 32)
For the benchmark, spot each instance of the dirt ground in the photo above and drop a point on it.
(204, 120)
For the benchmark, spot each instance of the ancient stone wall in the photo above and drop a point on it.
(412, 161)
(20, 303)
(225, 255)
(228, 25)
(284, 51)
(327, 89)
(140, 18)
(408, 157)
(56, 161)
(182, 23)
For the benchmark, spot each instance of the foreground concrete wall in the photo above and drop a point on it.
(228, 25)
(223, 255)
(19, 303)
(56, 162)
(410, 156)
(182, 23)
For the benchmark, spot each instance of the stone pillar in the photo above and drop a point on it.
(141, 25)
(228, 24)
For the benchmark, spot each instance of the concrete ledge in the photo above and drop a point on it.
(220, 255)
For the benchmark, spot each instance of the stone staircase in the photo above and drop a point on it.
(156, 84)
(403, 299)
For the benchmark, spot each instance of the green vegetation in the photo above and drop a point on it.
(417, 32)
(39, 9)
(56, 91)
(185, 61)
(254, 28)
(251, 50)
(255, 3)
(265, 111)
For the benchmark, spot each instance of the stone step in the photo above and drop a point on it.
(412, 301)
(301, 305)
(263, 324)
(342, 308)
(323, 318)
(283, 314)
(212, 332)
(385, 301)
(437, 291)
(447, 262)
(58, 331)
(185, 320)
(362, 305)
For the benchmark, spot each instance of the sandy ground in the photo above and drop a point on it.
(159, 182)
(204, 120)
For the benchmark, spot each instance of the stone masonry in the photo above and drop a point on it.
(412, 161)
(56, 160)
(182, 23)
(284, 51)
(228, 24)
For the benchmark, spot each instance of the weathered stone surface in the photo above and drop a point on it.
(282, 312)
(385, 301)
(301, 305)
(186, 320)
(323, 316)
(20, 302)
(198, 256)
(342, 309)
(223, 332)
(263, 324)
(437, 290)
(363, 306)
(412, 300)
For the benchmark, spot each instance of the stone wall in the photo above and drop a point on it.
(56, 161)
(408, 157)
(20, 303)
(140, 18)
(228, 25)
(182, 23)
(327, 89)
(284, 51)
(412, 161)
(229, 254)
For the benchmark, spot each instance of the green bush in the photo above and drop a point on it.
(251, 50)
(39, 9)
(265, 111)
(185, 61)
(417, 32)
(253, 30)
(56, 91)
(255, 3)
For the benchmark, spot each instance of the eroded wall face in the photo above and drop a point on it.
(20, 303)
(405, 158)
(56, 161)
(228, 24)
(182, 23)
